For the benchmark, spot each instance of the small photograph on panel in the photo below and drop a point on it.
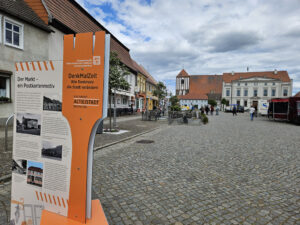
(28, 123)
(35, 173)
(52, 102)
(19, 166)
(51, 150)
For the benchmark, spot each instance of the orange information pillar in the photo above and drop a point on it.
(82, 102)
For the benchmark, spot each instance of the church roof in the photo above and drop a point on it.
(183, 73)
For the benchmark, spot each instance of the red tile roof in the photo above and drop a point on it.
(193, 96)
(183, 73)
(281, 75)
(202, 85)
(297, 95)
(72, 15)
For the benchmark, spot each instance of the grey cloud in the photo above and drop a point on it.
(234, 40)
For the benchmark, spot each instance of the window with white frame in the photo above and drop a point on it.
(227, 92)
(255, 92)
(273, 92)
(13, 33)
(285, 92)
(265, 92)
(4, 87)
(124, 100)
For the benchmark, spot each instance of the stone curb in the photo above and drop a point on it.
(6, 178)
(124, 139)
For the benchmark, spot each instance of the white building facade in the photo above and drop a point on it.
(247, 89)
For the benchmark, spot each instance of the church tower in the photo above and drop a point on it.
(182, 83)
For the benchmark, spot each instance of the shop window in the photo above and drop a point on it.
(245, 103)
(13, 33)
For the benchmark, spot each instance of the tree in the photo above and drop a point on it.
(160, 91)
(117, 81)
(175, 103)
(212, 102)
(223, 102)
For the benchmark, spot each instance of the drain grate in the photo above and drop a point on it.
(144, 141)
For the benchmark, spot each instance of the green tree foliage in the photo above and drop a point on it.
(160, 91)
(224, 102)
(212, 102)
(175, 103)
(117, 73)
(117, 81)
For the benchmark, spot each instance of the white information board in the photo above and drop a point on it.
(42, 144)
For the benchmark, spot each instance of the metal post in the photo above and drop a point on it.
(94, 130)
(6, 131)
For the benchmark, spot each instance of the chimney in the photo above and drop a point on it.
(232, 73)
(275, 71)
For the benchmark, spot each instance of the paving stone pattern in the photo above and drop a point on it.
(230, 171)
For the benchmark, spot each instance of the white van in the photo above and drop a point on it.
(262, 108)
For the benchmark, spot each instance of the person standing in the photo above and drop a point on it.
(234, 111)
(206, 109)
(212, 110)
(252, 111)
(217, 111)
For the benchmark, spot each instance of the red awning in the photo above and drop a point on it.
(279, 100)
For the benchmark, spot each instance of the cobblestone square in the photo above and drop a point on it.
(230, 171)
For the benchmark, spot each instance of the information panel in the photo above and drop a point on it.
(42, 144)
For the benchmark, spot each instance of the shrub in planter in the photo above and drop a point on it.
(204, 119)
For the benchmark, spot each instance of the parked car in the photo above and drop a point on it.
(239, 108)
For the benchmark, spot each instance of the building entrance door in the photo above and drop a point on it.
(255, 103)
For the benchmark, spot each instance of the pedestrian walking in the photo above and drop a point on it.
(234, 111)
(202, 110)
(206, 109)
(212, 110)
(217, 111)
(252, 111)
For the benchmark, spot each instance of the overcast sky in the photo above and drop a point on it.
(205, 36)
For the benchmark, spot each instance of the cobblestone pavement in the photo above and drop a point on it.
(131, 123)
(231, 171)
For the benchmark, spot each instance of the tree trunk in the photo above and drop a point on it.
(115, 111)
(110, 111)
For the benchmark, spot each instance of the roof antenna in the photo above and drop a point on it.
(247, 68)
